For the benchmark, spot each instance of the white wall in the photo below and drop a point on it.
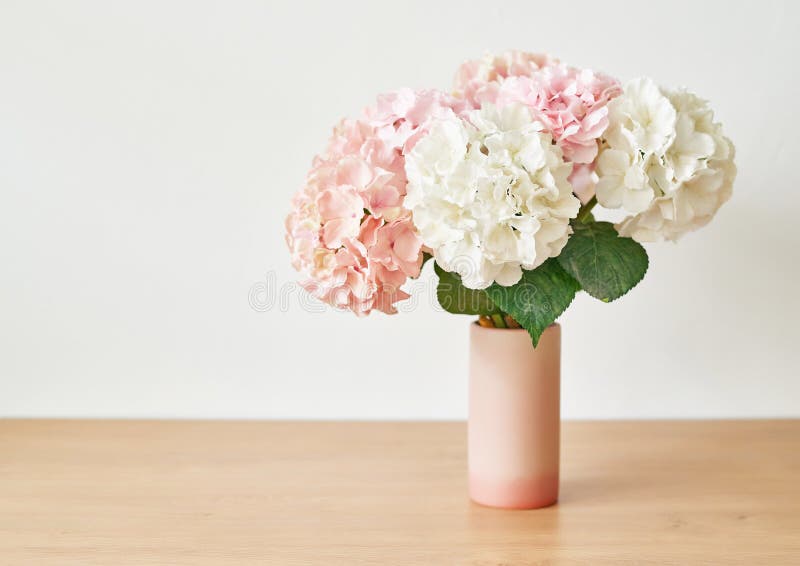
(148, 151)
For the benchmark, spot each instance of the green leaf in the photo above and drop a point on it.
(457, 299)
(605, 264)
(538, 299)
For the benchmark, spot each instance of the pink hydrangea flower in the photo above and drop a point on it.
(348, 230)
(399, 117)
(366, 272)
(474, 76)
(570, 103)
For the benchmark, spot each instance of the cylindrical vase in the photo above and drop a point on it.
(514, 417)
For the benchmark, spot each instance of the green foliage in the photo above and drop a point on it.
(457, 299)
(538, 299)
(605, 264)
(595, 259)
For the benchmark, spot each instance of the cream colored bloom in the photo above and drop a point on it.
(665, 161)
(489, 194)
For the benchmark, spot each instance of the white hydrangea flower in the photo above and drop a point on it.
(641, 127)
(489, 194)
(642, 117)
(665, 161)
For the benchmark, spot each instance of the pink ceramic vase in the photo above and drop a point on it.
(514, 417)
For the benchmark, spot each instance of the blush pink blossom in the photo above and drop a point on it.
(475, 76)
(383, 135)
(348, 231)
(363, 276)
(571, 103)
(400, 117)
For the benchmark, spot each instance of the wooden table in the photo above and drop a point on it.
(154, 492)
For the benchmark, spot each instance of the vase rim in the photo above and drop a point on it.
(489, 328)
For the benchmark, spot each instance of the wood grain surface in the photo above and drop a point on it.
(287, 493)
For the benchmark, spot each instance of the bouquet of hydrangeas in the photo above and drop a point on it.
(497, 182)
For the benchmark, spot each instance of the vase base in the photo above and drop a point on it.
(522, 493)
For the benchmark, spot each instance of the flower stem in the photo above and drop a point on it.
(498, 321)
(586, 210)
